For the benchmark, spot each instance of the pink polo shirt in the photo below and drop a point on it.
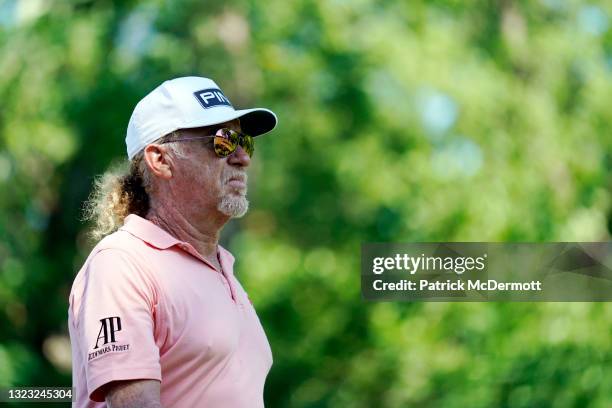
(147, 306)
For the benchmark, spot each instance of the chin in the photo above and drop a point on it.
(234, 205)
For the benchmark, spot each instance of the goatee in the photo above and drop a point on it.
(234, 206)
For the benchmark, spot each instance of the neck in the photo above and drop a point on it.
(200, 231)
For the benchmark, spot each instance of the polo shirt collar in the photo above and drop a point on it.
(226, 258)
(148, 232)
(159, 238)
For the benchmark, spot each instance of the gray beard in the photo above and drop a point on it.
(233, 206)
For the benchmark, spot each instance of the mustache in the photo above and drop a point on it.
(236, 175)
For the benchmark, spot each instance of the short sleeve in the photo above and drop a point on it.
(115, 323)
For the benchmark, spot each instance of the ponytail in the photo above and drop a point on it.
(120, 191)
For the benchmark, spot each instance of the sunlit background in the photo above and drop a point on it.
(400, 121)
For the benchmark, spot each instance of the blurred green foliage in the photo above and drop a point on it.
(399, 121)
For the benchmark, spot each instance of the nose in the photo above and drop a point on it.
(239, 158)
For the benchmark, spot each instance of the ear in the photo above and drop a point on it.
(158, 160)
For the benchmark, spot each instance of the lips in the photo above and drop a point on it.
(237, 182)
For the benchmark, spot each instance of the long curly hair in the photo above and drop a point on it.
(122, 190)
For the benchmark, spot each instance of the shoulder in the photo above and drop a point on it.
(115, 254)
(116, 263)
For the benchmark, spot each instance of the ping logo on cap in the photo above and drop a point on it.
(212, 97)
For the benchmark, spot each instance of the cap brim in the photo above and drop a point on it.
(254, 122)
(257, 121)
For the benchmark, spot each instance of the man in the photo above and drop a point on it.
(156, 316)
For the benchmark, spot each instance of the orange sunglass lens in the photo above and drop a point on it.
(223, 146)
(226, 141)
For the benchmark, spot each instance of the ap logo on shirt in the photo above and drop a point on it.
(107, 336)
(110, 325)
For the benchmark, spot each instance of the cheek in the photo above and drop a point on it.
(211, 177)
(204, 175)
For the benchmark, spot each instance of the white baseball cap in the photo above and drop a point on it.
(189, 102)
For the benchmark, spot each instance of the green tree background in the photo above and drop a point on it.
(400, 121)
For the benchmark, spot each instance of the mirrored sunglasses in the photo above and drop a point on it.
(225, 142)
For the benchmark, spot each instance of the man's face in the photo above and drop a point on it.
(208, 182)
